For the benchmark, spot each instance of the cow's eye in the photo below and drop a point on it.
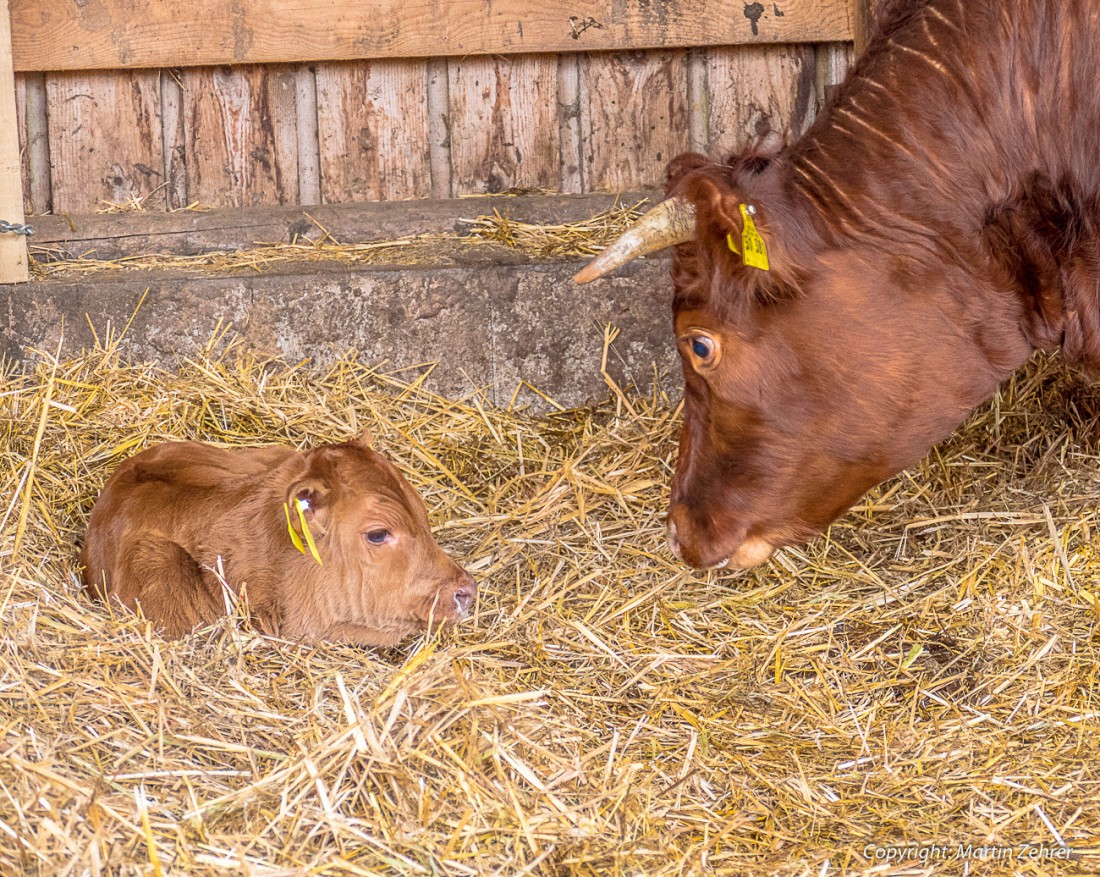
(702, 347)
(378, 537)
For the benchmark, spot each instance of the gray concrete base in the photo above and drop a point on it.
(490, 316)
(488, 325)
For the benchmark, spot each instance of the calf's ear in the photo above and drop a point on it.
(364, 438)
(314, 497)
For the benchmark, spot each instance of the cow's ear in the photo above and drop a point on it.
(364, 439)
(310, 498)
(719, 203)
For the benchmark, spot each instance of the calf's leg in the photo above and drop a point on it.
(346, 632)
(173, 590)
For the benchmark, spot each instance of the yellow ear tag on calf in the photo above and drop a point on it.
(294, 537)
(753, 251)
(300, 506)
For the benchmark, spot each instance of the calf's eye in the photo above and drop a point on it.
(702, 346)
(378, 537)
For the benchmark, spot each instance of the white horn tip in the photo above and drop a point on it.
(588, 273)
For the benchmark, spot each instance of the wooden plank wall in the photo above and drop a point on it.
(396, 129)
(132, 34)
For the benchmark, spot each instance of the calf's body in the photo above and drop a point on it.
(171, 516)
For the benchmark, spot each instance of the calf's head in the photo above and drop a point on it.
(376, 560)
(808, 383)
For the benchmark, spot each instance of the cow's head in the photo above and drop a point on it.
(380, 564)
(808, 383)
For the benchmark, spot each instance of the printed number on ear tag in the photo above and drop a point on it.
(753, 251)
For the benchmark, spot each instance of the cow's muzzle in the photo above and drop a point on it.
(699, 549)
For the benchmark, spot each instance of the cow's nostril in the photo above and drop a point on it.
(463, 598)
(673, 541)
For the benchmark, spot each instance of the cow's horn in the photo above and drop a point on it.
(670, 222)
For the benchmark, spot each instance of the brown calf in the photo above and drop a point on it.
(331, 543)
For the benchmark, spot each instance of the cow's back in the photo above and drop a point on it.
(955, 107)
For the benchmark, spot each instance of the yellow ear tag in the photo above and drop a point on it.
(301, 505)
(294, 537)
(731, 244)
(753, 251)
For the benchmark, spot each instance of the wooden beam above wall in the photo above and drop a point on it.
(52, 35)
(13, 247)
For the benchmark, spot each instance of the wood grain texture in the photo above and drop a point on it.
(439, 127)
(106, 142)
(13, 248)
(634, 117)
(863, 17)
(240, 136)
(98, 34)
(759, 96)
(504, 124)
(34, 137)
(698, 100)
(569, 123)
(175, 152)
(309, 148)
(372, 123)
(833, 61)
(22, 139)
(36, 156)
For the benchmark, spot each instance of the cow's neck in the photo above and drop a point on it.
(969, 133)
(951, 109)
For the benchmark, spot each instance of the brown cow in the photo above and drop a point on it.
(330, 543)
(938, 223)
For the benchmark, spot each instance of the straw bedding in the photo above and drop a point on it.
(925, 674)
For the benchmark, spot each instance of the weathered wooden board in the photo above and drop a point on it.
(13, 248)
(23, 141)
(569, 123)
(863, 18)
(309, 149)
(106, 142)
(439, 132)
(240, 135)
(98, 34)
(503, 123)
(372, 127)
(759, 96)
(35, 137)
(634, 117)
(175, 139)
(833, 62)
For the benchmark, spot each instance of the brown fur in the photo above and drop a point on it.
(936, 225)
(171, 515)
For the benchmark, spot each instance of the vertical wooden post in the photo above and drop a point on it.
(13, 247)
(863, 18)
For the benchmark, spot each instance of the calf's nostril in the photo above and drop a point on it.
(463, 598)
